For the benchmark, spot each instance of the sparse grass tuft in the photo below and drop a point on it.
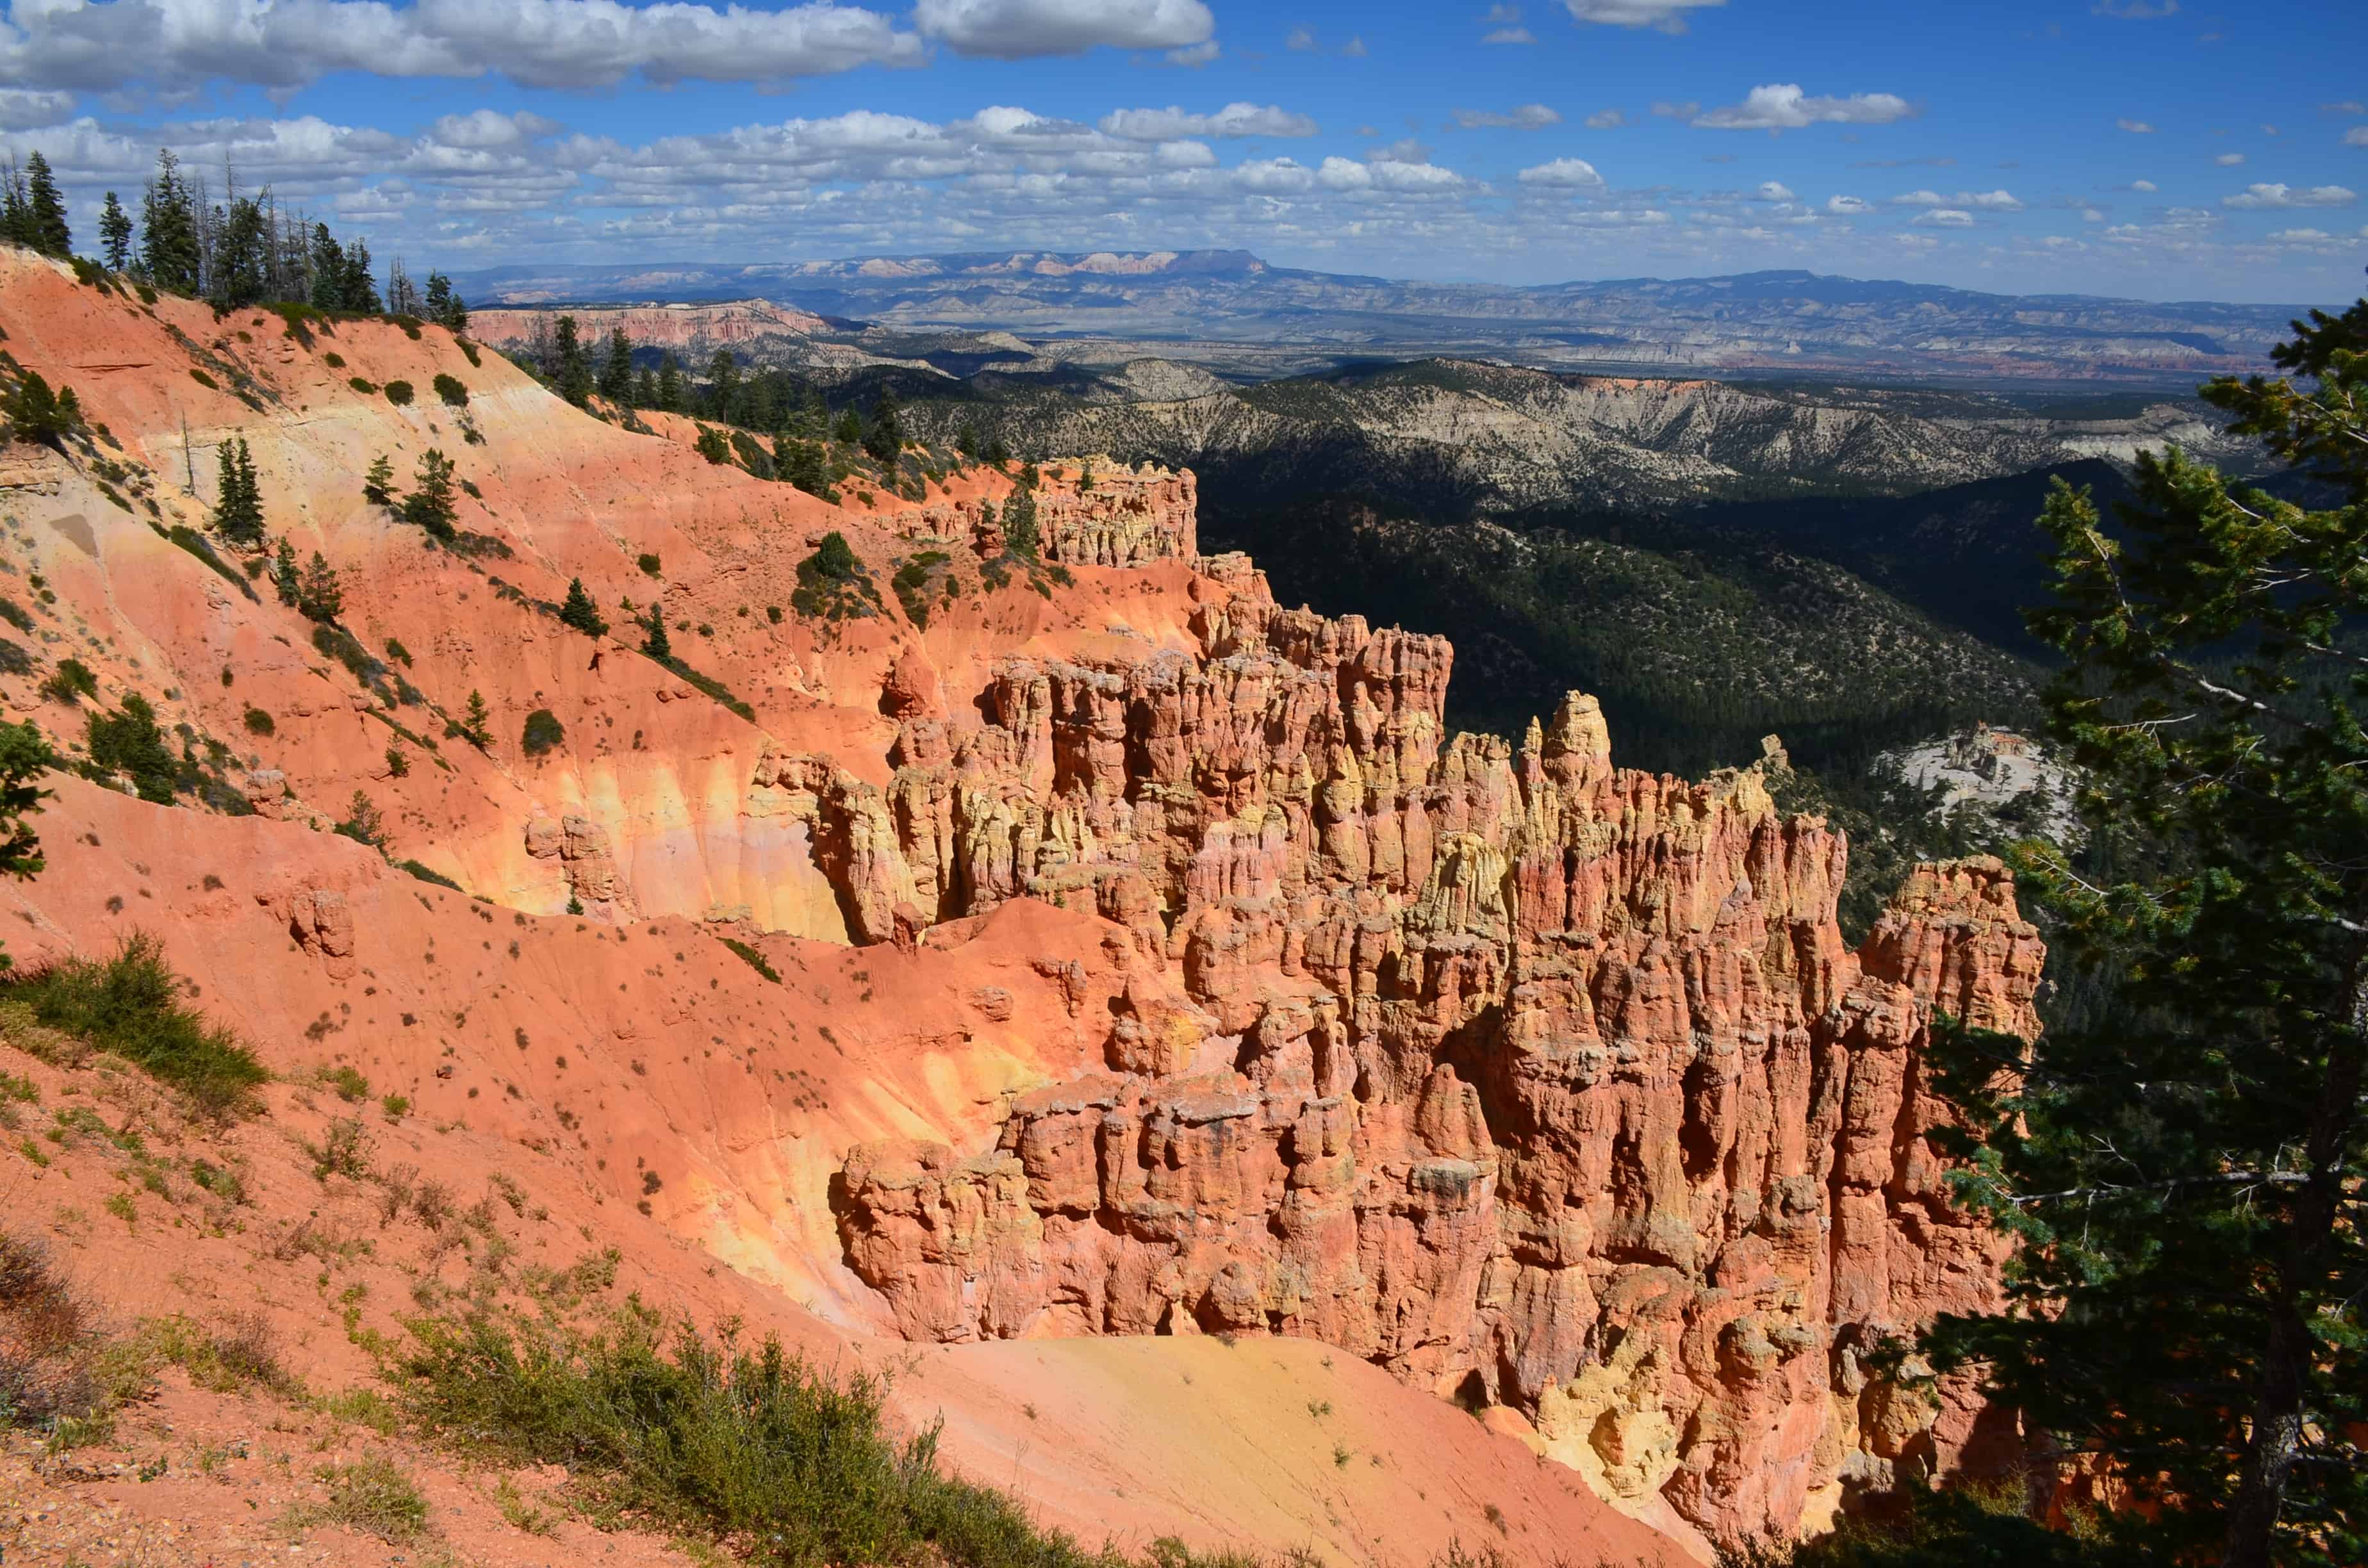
(130, 1005)
(372, 1496)
(753, 1450)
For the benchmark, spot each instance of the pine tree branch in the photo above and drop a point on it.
(2222, 1179)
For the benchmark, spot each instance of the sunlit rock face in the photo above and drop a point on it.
(1539, 1082)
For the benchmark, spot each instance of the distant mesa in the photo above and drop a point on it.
(1780, 322)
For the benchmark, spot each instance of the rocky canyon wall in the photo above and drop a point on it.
(1546, 1085)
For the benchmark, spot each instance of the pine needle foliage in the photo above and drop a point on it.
(2185, 1175)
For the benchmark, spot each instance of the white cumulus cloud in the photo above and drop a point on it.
(2229, 160)
(1991, 201)
(1014, 30)
(1563, 174)
(1784, 106)
(1946, 218)
(1528, 116)
(1775, 191)
(1274, 176)
(1234, 119)
(1848, 206)
(1669, 16)
(2136, 126)
(2254, 196)
(548, 43)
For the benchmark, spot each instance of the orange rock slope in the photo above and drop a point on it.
(1150, 960)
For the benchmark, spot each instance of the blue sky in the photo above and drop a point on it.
(2154, 148)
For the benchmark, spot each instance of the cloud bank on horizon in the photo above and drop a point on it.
(2023, 145)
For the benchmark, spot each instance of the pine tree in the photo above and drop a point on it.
(228, 509)
(445, 308)
(801, 463)
(239, 275)
(51, 235)
(617, 372)
(430, 506)
(319, 597)
(34, 414)
(723, 387)
(1019, 532)
(654, 641)
(356, 288)
(283, 572)
(2184, 1173)
(16, 208)
(966, 442)
(477, 723)
(115, 234)
(24, 755)
(884, 437)
(670, 398)
(645, 389)
(580, 612)
(848, 431)
(571, 367)
(363, 823)
(378, 484)
(168, 229)
(328, 264)
(238, 510)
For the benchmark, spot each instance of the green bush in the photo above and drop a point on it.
(197, 544)
(69, 683)
(832, 583)
(335, 360)
(128, 740)
(543, 733)
(364, 387)
(203, 380)
(648, 563)
(911, 583)
(259, 722)
(450, 389)
(398, 394)
(426, 874)
(753, 959)
(754, 1447)
(131, 1005)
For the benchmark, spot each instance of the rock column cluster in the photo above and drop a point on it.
(1546, 1083)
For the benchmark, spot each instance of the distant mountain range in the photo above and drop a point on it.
(1237, 315)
